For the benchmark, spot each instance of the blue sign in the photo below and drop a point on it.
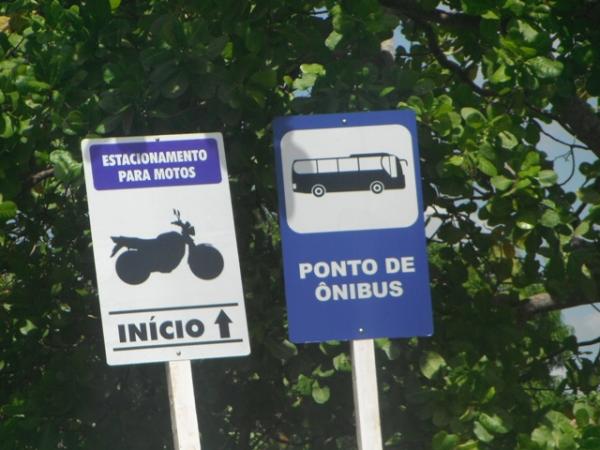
(352, 226)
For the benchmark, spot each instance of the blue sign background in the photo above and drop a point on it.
(311, 320)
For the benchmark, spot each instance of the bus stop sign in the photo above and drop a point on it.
(352, 227)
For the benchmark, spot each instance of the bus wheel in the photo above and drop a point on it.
(318, 190)
(376, 187)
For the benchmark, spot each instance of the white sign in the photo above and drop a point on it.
(165, 251)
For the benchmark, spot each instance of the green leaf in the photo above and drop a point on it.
(216, 47)
(481, 433)
(266, 79)
(227, 52)
(109, 124)
(583, 413)
(386, 91)
(547, 177)
(282, 350)
(333, 40)
(545, 68)
(306, 81)
(98, 9)
(529, 34)
(531, 159)
(304, 385)
(582, 228)
(320, 394)
(493, 423)
(589, 195)
(527, 220)
(342, 363)
(477, 7)
(389, 347)
(430, 363)
(543, 437)
(469, 445)
(473, 117)
(29, 83)
(444, 441)
(558, 419)
(111, 101)
(499, 76)
(27, 328)
(501, 122)
(176, 86)
(424, 86)
(501, 183)
(74, 122)
(508, 140)
(109, 73)
(114, 4)
(550, 218)
(486, 166)
(456, 160)
(66, 169)
(8, 210)
(317, 69)
(6, 127)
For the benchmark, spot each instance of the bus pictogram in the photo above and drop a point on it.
(359, 172)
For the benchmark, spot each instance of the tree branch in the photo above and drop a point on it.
(573, 113)
(578, 117)
(555, 139)
(443, 60)
(590, 342)
(412, 10)
(544, 302)
(423, 18)
(40, 176)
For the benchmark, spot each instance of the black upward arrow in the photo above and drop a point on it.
(223, 321)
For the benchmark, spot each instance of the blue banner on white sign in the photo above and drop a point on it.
(157, 163)
(352, 226)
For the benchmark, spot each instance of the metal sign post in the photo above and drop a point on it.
(184, 421)
(366, 399)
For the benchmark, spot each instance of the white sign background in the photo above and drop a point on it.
(178, 295)
(349, 211)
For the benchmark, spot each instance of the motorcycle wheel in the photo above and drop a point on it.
(205, 261)
(132, 267)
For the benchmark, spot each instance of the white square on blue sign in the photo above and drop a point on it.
(352, 226)
(331, 155)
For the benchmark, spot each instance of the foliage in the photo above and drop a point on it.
(511, 245)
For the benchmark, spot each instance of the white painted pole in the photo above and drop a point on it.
(184, 422)
(366, 397)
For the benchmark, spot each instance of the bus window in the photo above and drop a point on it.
(327, 165)
(395, 162)
(348, 164)
(369, 163)
(385, 163)
(305, 166)
(388, 162)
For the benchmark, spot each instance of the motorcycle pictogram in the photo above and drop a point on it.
(164, 253)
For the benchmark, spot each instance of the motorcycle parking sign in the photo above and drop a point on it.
(165, 252)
